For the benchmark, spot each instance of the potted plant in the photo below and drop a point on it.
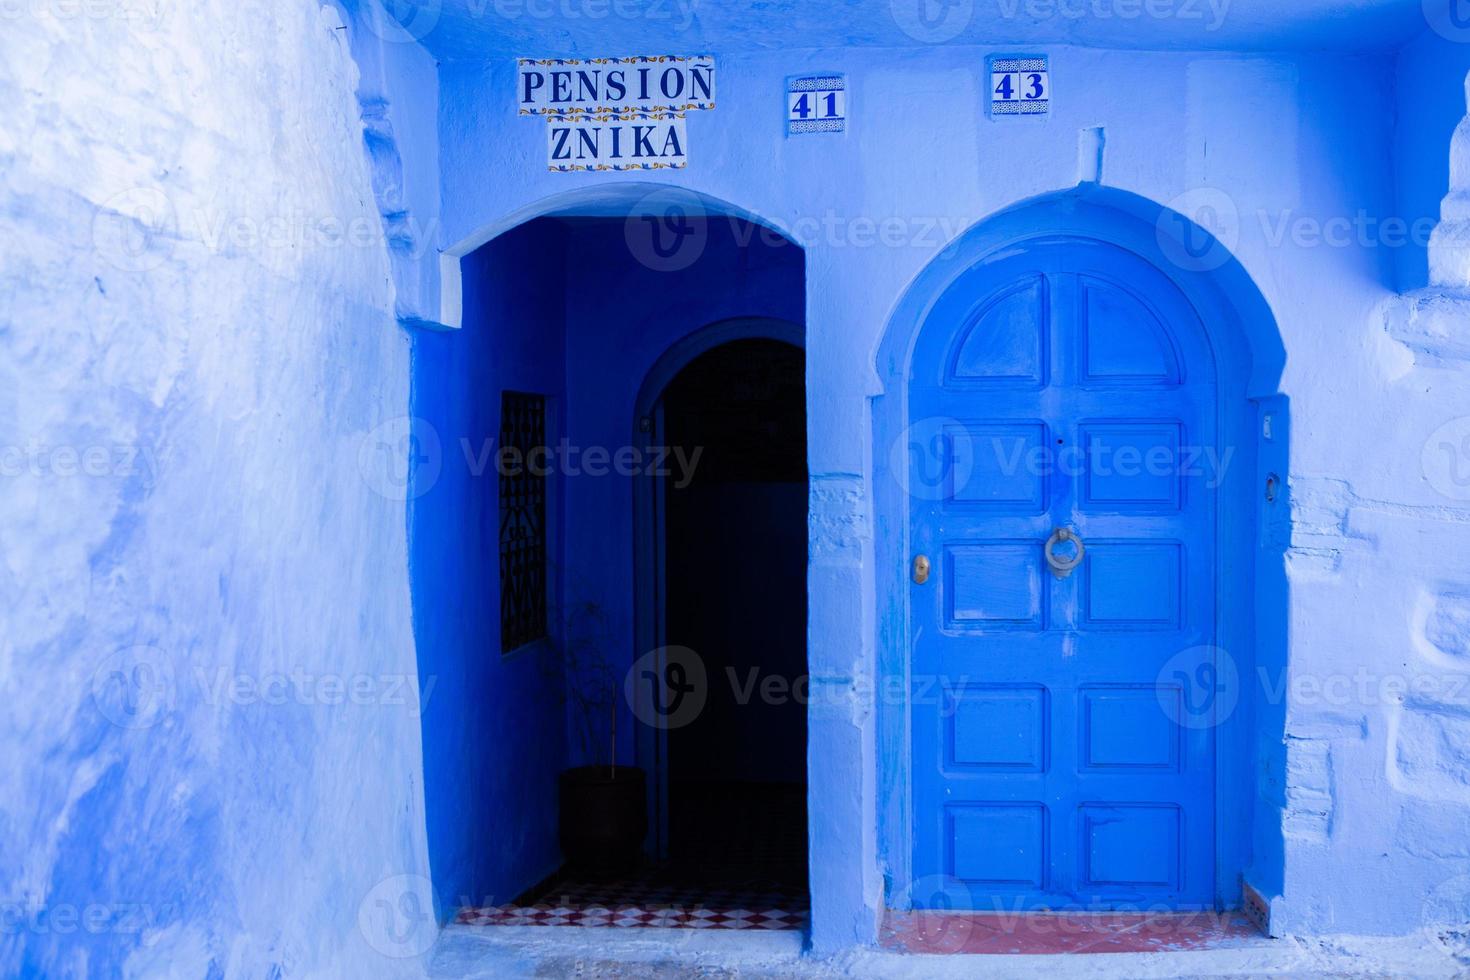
(603, 806)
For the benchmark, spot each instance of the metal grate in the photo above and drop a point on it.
(522, 519)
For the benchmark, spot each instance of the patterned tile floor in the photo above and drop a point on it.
(639, 916)
(738, 861)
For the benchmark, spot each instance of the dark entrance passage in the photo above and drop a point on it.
(735, 593)
(730, 804)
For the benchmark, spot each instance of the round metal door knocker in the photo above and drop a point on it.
(1062, 567)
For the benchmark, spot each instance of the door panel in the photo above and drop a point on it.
(1069, 385)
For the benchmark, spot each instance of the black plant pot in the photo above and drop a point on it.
(604, 818)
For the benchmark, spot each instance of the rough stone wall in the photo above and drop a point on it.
(1449, 248)
(209, 751)
(1409, 547)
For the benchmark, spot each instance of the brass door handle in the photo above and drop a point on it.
(921, 569)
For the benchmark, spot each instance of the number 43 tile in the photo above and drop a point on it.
(1019, 86)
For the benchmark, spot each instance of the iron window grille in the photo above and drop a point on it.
(522, 519)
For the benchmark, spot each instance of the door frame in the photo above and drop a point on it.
(648, 536)
(1249, 357)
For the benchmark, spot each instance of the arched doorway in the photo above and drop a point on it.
(720, 579)
(524, 543)
(1065, 571)
(733, 594)
(1080, 405)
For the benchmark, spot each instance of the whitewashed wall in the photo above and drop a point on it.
(209, 746)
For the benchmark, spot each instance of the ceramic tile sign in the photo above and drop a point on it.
(616, 144)
(816, 104)
(1019, 86)
(605, 114)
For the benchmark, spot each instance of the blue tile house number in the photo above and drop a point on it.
(816, 104)
(1019, 86)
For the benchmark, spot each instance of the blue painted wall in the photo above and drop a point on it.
(251, 380)
(1430, 103)
(1278, 154)
(494, 736)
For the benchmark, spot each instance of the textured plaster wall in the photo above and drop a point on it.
(209, 751)
(1430, 107)
(1284, 158)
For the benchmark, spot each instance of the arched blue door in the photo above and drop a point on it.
(1062, 392)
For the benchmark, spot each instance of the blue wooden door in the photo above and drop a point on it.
(1064, 392)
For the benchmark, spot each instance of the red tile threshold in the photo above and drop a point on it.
(1054, 932)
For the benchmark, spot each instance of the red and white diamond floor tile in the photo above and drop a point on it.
(634, 917)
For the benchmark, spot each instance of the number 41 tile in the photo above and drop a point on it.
(816, 104)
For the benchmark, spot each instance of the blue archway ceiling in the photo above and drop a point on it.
(491, 29)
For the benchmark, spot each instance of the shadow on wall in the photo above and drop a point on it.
(576, 309)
